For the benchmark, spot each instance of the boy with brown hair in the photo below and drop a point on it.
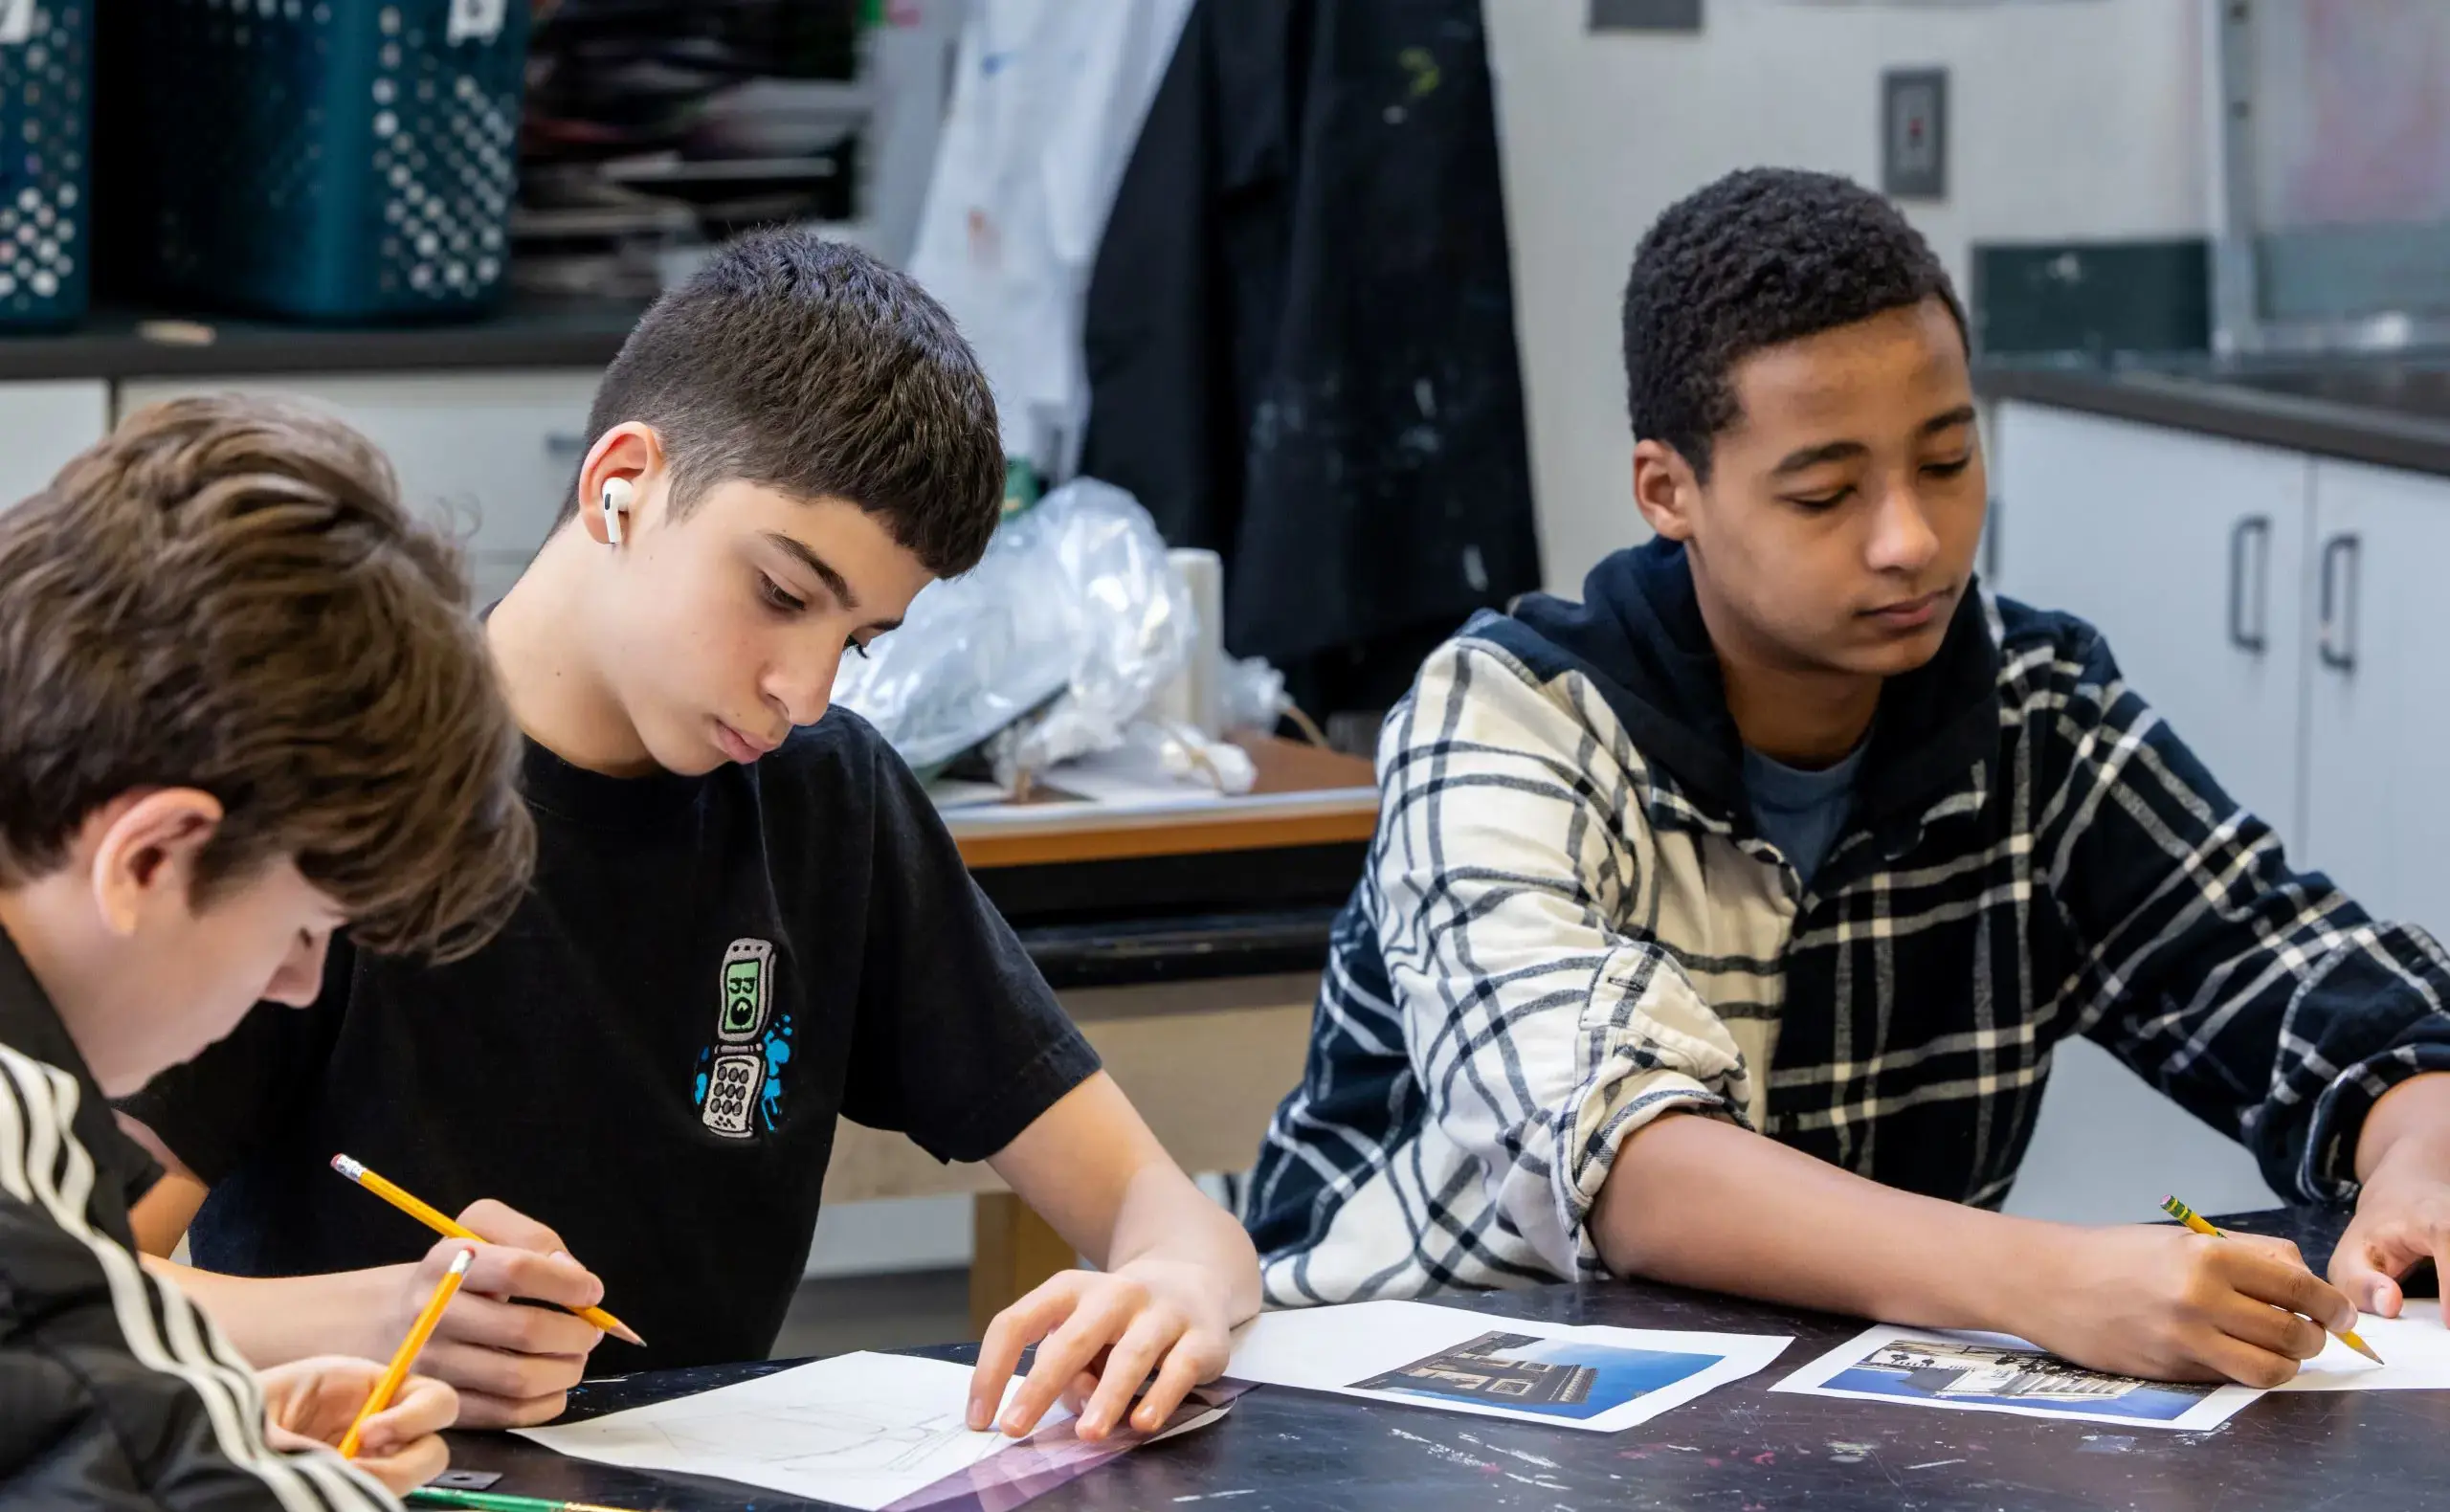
(747, 921)
(241, 706)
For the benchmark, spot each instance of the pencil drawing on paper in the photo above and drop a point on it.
(860, 1430)
(820, 1436)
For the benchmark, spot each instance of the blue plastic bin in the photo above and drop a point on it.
(323, 160)
(46, 119)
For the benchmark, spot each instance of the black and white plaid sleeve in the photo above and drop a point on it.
(1513, 869)
(2261, 998)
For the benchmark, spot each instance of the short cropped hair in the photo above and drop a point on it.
(226, 595)
(1758, 257)
(807, 365)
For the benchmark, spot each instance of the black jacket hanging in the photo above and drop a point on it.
(1299, 330)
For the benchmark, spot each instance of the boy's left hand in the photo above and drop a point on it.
(313, 1402)
(1100, 1335)
(2402, 1218)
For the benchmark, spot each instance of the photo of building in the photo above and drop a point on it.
(1945, 1367)
(1479, 1369)
(1978, 1372)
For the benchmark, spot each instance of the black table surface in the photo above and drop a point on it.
(1739, 1448)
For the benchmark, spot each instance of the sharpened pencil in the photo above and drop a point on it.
(450, 1229)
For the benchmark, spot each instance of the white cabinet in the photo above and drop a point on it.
(2287, 614)
(42, 425)
(492, 455)
(2378, 722)
(2189, 553)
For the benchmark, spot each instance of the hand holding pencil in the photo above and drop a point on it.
(2197, 1223)
(513, 1364)
(315, 1401)
(2166, 1304)
(452, 1229)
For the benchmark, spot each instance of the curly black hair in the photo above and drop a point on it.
(1760, 256)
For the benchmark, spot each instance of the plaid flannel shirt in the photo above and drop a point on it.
(1569, 927)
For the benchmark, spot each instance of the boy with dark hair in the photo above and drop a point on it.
(1720, 928)
(737, 931)
(245, 706)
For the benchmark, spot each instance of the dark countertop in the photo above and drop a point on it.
(1740, 1448)
(1176, 918)
(2389, 411)
(527, 332)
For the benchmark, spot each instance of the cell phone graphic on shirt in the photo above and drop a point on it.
(732, 1085)
(748, 992)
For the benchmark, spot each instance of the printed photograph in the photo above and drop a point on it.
(1982, 1375)
(1558, 1377)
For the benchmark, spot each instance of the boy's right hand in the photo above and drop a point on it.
(2171, 1305)
(513, 1364)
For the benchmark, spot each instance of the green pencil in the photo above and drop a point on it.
(490, 1502)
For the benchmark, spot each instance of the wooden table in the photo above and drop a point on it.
(1205, 1051)
(1741, 1447)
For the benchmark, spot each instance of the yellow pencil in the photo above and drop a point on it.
(409, 1348)
(449, 1229)
(2200, 1225)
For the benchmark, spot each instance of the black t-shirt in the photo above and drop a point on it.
(650, 1057)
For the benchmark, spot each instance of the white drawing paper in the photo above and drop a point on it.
(2414, 1349)
(1985, 1372)
(1422, 1355)
(862, 1429)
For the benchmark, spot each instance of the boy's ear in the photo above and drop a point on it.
(630, 452)
(1663, 489)
(145, 851)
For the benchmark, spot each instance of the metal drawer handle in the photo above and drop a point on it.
(2335, 634)
(2253, 527)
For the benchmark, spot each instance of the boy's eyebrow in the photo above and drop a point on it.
(833, 581)
(1814, 455)
(1811, 457)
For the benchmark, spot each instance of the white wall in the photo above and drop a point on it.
(2077, 119)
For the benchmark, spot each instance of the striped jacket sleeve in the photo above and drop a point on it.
(1511, 844)
(115, 1391)
(2261, 998)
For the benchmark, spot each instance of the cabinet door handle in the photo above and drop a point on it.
(2252, 527)
(2335, 634)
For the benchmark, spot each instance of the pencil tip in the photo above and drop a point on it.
(629, 1335)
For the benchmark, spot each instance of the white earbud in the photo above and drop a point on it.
(617, 494)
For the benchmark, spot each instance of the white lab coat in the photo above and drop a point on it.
(1047, 102)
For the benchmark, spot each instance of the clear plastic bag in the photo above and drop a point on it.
(1254, 694)
(1049, 646)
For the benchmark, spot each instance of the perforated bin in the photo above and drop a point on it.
(325, 160)
(46, 116)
